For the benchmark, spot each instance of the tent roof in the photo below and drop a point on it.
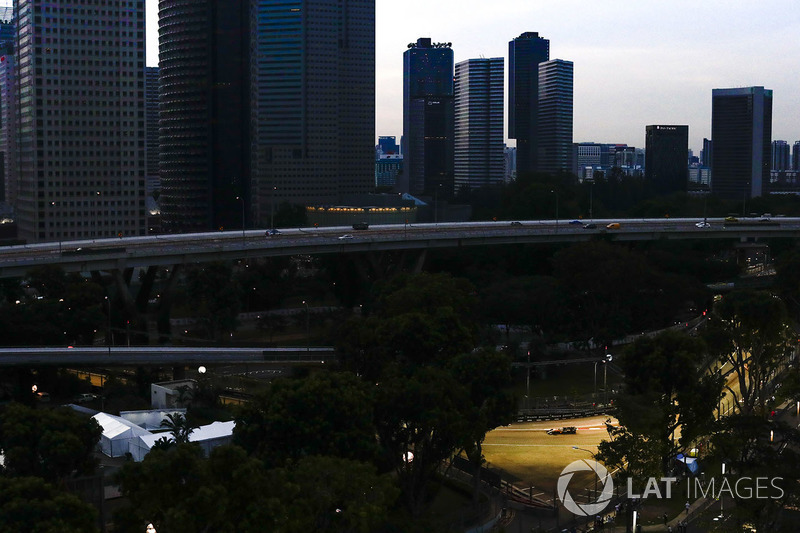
(114, 426)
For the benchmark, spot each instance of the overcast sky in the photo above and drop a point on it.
(637, 62)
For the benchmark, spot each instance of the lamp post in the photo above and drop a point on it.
(556, 193)
(607, 360)
(595, 476)
(96, 214)
(528, 382)
(436, 204)
(54, 204)
(307, 326)
(272, 210)
(244, 239)
(109, 338)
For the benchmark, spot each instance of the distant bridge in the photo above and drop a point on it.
(164, 355)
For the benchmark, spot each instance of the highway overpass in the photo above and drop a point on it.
(129, 252)
(164, 356)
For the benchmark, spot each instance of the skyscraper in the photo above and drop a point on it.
(80, 118)
(313, 93)
(524, 55)
(781, 156)
(741, 129)
(666, 166)
(428, 122)
(478, 94)
(554, 144)
(796, 156)
(204, 113)
(151, 125)
(8, 185)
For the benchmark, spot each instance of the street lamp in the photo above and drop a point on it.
(55, 204)
(272, 212)
(307, 327)
(436, 204)
(608, 359)
(556, 193)
(109, 338)
(96, 214)
(241, 199)
(595, 475)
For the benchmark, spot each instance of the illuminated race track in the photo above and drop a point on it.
(109, 254)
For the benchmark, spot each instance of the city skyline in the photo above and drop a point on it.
(635, 63)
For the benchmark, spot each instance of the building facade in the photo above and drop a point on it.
(428, 119)
(204, 114)
(80, 119)
(387, 168)
(478, 95)
(151, 131)
(524, 55)
(554, 144)
(741, 129)
(666, 166)
(313, 94)
(387, 145)
(781, 156)
(8, 138)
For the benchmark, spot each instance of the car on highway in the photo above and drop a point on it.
(766, 217)
(731, 219)
(516, 223)
(590, 226)
(360, 226)
(613, 225)
(703, 224)
(567, 430)
(345, 237)
(575, 223)
(271, 232)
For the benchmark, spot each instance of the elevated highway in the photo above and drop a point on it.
(130, 252)
(164, 355)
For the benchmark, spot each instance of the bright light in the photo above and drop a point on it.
(202, 369)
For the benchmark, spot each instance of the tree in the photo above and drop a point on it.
(422, 419)
(748, 330)
(487, 376)
(324, 414)
(178, 426)
(666, 390)
(214, 297)
(51, 444)
(752, 448)
(30, 505)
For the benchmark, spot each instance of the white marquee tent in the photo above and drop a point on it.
(117, 434)
(208, 437)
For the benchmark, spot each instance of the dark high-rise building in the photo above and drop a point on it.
(428, 118)
(741, 128)
(80, 118)
(666, 165)
(313, 101)
(796, 156)
(204, 114)
(479, 146)
(554, 145)
(781, 156)
(151, 122)
(8, 135)
(524, 55)
(707, 154)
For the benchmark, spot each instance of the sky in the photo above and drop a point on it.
(636, 62)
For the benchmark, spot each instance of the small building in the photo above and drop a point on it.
(171, 394)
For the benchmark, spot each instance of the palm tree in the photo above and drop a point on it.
(178, 426)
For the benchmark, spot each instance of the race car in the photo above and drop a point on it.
(568, 430)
